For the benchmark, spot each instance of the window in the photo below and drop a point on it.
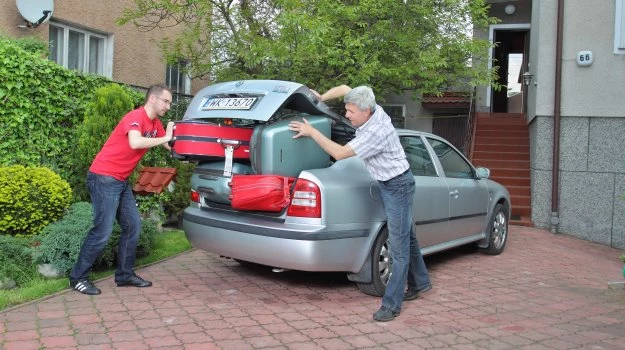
(619, 27)
(397, 114)
(177, 79)
(417, 156)
(80, 49)
(454, 165)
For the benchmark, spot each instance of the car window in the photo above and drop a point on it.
(418, 156)
(453, 163)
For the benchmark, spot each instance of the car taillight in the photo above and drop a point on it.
(306, 200)
(195, 196)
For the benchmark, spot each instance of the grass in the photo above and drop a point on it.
(168, 243)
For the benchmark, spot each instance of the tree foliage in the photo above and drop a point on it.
(390, 45)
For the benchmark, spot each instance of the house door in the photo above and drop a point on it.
(510, 55)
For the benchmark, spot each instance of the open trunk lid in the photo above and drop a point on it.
(254, 100)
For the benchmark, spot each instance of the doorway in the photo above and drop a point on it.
(510, 55)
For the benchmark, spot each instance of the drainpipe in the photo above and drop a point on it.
(555, 172)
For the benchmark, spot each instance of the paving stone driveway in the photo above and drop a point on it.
(544, 292)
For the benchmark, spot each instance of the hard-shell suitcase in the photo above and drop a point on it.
(274, 151)
(196, 140)
(261, 192)
(210, 181)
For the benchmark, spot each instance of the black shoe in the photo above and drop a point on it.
(85, 287)
(385, 315)
(412, 294)
(134, 281)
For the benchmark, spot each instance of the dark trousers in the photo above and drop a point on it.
(111, 199)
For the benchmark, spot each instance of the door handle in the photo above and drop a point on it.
(454, 193)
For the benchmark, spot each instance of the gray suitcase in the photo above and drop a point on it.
(209, 180)
(274, 151)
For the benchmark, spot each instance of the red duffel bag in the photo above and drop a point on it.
(260, 192)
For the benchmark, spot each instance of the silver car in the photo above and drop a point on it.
(455, 203)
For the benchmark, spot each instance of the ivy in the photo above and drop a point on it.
(42, 104)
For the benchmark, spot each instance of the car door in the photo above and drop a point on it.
(468, 195)
(430, 206)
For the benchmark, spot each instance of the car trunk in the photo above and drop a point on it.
(272, 149)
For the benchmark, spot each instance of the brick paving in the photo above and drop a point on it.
(544, 292)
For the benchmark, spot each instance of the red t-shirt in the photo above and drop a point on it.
(116, 158)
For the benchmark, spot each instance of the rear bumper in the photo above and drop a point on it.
(273, 243)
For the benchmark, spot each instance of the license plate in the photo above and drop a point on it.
(229, 103)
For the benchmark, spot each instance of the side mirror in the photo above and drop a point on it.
(482, 173)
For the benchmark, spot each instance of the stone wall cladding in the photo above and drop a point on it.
(592, 177)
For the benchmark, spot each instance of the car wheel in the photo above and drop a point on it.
(497, 230)
(381, 266)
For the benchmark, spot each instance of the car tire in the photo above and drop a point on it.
(381, 266)
(497, 230)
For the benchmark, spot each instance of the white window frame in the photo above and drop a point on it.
(403, 111)
(107, 54)
(186, 80)
(619, 28)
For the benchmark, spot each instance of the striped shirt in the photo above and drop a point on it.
(377, 144)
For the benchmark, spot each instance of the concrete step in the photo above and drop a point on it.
(500, 132)
(521, 221)
(519, 190)
(499, 140)
(496, 115)
(512, 181)
(501, 148)
(501, 155)
(523, 201)
(505, 172)
(502, 121)
(501, 163)
(521, 211)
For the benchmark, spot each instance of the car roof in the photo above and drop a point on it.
(407, 132)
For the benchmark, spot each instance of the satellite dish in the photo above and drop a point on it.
(35, 12)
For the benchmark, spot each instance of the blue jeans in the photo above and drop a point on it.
(111, 199)
(408, 265)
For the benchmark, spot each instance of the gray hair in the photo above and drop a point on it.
(362, 97)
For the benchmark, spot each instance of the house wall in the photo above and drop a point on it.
(592, 128)
(137, 60)
(520, 17)
(417, 117)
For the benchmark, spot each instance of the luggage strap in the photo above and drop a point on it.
(230, 146)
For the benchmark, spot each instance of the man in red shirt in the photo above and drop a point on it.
(111, 194)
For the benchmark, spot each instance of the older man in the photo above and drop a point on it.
(376, 142)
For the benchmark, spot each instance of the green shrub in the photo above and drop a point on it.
(172, 203)
(179, 198)
(106, 108)
(61, 241)
(149, 230)
(31, 198)
(42, 104)
(15, 260)
(34, 45)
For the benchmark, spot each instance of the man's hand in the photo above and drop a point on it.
(169, 131)
(301, 128)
